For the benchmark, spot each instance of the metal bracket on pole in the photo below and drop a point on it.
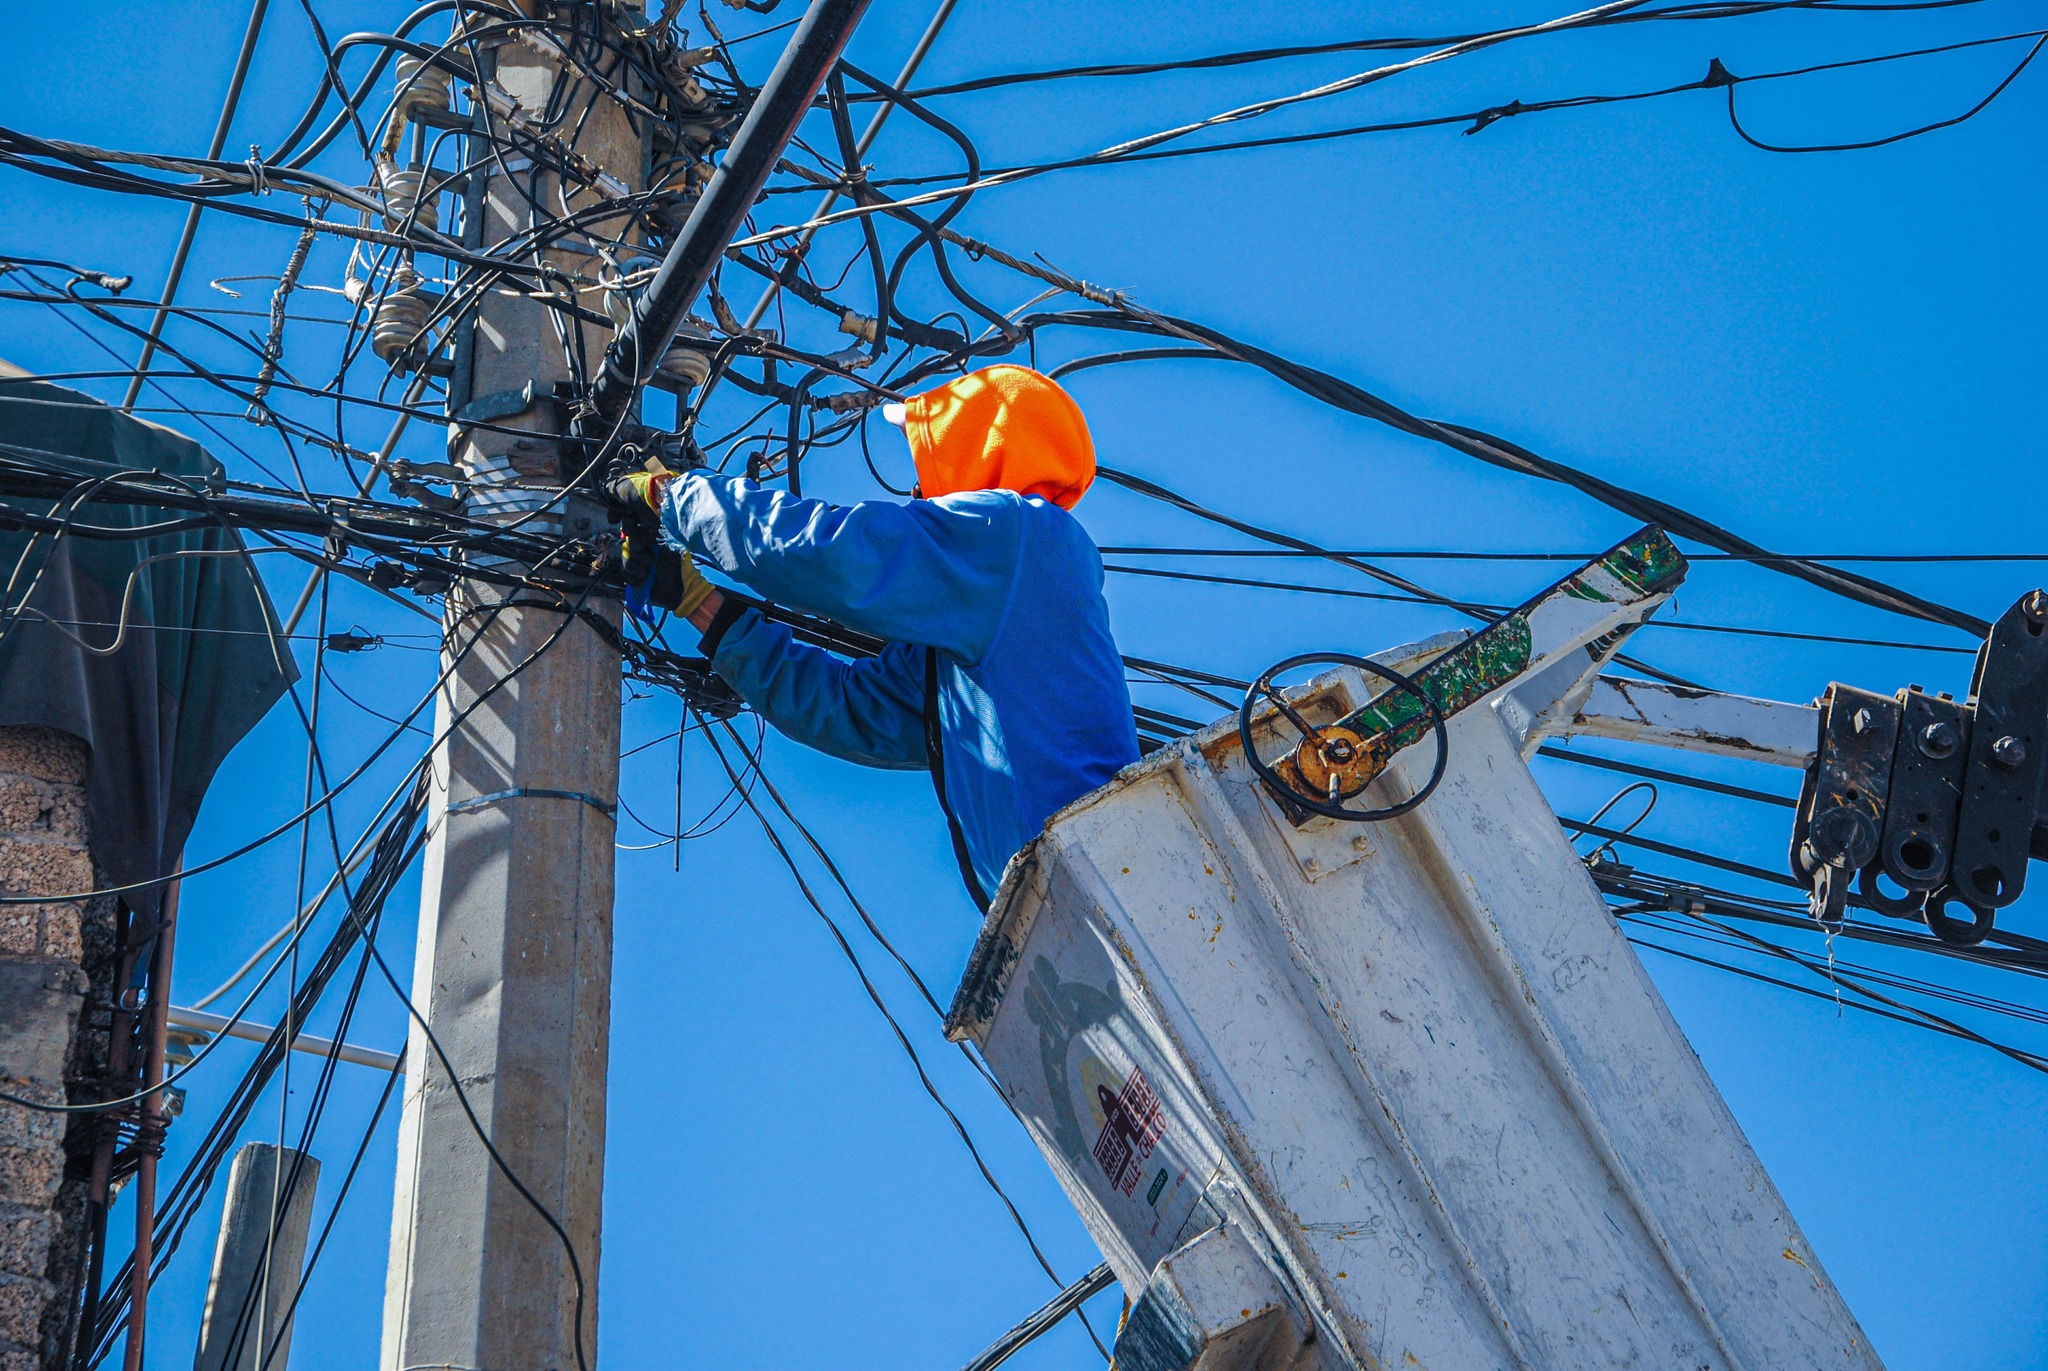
(698, 249)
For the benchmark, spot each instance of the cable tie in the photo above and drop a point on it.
(610, 811)
(1489, 117)
(353, 640)
(259, 181)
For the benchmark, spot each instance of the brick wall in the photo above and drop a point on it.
(56, 971)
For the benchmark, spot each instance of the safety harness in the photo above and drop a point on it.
(935, 759)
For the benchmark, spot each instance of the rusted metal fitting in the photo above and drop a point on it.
(1333, 761)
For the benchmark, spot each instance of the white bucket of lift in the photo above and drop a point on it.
(1404, 1086)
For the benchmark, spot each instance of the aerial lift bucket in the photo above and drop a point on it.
(1386, 1095)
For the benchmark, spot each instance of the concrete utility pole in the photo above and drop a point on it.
(258, 1260)
(515, 938)
(514, 962)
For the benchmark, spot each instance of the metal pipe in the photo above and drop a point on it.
(222, 1025)
(191, 230)
(149, 1139)
(867, 140)
(120, 1038)
(779, 107)
(1063, 1304)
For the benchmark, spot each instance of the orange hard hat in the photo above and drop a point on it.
(1000, 428)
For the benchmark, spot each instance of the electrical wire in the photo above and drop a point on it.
(895, 1027)
(430, 546)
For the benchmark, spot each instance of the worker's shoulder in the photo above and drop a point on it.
(975, 503)
(1024, 525)
(1008, 507)
(999, 512)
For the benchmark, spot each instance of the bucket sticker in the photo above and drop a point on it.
(1131, 1125)
(1107, 1116)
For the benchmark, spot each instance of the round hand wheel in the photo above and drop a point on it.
(1335, 749)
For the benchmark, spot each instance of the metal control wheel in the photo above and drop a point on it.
(1327, 757)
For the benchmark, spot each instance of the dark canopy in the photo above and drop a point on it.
(161, 677)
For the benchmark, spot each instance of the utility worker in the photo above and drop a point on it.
(1000, 676)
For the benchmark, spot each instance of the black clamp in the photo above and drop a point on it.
(1936, 798)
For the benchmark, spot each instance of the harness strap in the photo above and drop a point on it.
(935, 760)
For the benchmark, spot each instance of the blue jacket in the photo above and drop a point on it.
(1032, 703)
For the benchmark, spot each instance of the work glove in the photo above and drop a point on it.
(660, 577)
(638, 490)
(635, 500)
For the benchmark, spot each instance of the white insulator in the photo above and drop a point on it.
(687, 364)
(407, 188)
(401, 318)
(688, 359)
(422, 86)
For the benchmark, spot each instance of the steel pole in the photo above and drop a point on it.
(149, 1132)
(783, 101)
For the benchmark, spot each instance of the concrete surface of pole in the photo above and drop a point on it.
(513, 968)
(269, 1210)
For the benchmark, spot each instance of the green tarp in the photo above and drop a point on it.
(201, 658)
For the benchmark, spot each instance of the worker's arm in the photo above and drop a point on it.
(936, 573)
(871, 712)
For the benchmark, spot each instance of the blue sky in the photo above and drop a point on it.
(1829, 353)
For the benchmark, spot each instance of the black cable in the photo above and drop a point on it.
(1672, 777)
(1449, 555)
(1755, 873)
(1479, 120)
(896, 1029)
(838, 878)
(849, 156)
(1068, 1301)
(1257, 55)
(928, 230)
(1736, 123)
(1834, 977)
(395, 847)
(1908, 1017)
(2013, 952)
(1500, 452)
(1153, 490)
(1778, 633)
(1664, 921)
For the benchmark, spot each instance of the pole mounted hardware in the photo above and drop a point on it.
(1941, 799)
(1570, 628)
(715, 220)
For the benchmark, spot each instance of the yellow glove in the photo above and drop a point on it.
(672, 583)
(681, 579)
(640, 488)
